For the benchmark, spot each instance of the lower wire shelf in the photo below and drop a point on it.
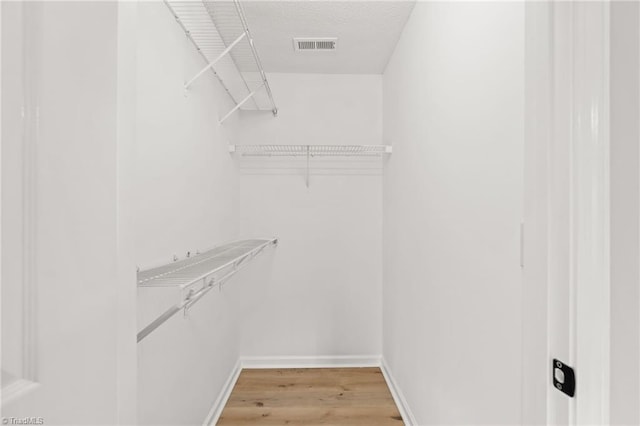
(197, 275)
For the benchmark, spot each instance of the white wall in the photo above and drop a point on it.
(127, 350)
(453, 110)
(187, 184)
(536, 247)
(186, 199)
(71, 81)
(625, 190)
(324, 291)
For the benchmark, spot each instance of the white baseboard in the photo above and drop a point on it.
(398, 397)
(310, 361)
(223, 396)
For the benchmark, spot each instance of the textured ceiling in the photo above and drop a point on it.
(367, 33)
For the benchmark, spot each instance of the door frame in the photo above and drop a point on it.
(580, 31)
(26, 16)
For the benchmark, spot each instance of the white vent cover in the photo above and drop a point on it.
(325, 44)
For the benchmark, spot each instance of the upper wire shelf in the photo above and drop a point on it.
(311, 150)
(220, 33)
(197, 275)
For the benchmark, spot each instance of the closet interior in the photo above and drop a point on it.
(320, 212)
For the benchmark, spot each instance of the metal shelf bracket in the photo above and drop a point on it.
(235, 108)
(212, 63)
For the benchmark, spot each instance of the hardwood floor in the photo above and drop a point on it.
(311, 396)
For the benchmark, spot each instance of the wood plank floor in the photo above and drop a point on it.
(311, 396)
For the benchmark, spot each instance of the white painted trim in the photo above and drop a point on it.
(223, 396)
(401, 402)
(32, 49)
(310, 361)
(28, 25)
(17, 390)
(590, 211)
(575, 39)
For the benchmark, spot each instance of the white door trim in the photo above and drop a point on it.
(566, 276)
(27, 18)
(590, 205)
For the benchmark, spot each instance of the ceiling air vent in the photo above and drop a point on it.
(315, 44)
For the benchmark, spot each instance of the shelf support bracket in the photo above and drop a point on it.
(212, 63)
(242, 102)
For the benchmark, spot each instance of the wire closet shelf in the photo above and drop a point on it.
(197, 275)
(220, 33)
(311, 150)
